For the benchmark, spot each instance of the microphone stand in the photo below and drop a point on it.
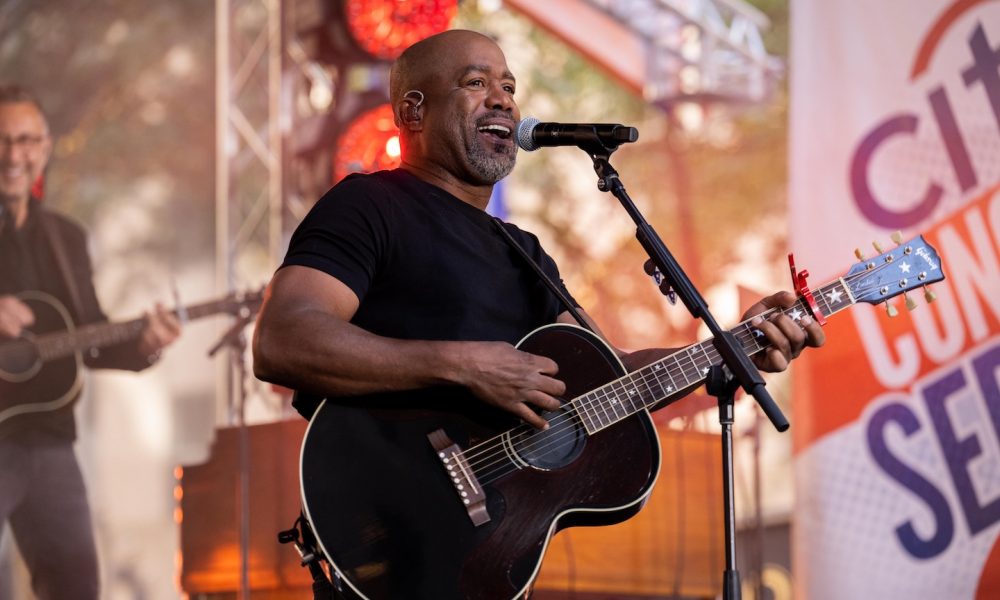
(235, 339)
(736, 368)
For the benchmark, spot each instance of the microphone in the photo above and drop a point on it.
(532, 134)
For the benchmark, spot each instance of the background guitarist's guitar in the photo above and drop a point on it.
(455, 499)
(41, 370)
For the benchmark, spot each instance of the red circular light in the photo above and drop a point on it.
(366, 144)
(384, 28)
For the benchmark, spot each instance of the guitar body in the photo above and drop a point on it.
(42, 370)
(27, 384)
(388, 518)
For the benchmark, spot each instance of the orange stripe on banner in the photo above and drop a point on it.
(833, 385)
(989, 583)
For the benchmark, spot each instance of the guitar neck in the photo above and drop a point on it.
(688, 368)
(55, 345)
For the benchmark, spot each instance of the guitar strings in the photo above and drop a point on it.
(552, 441)
(555, 441)
(743, 333)
(490, 453)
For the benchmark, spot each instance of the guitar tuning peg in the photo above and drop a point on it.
(897, 236)
(891, 310)
(878, 247)
(910, 302)
(929, 295)
(859, 254)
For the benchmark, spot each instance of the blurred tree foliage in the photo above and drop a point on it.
(129, 90)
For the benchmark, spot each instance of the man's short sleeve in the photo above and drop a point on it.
(345, 235)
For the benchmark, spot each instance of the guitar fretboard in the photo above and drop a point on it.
(687, 368)
(55, 345)
(910, 265)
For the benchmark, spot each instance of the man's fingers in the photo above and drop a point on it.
(815, 336)
(544, 364)
(542, 400)
(530, 417)
(550, 386)
(773, 333)
(795, 336)
(14, 316)
(777, 362)
(786, 336)
(164, 325)
(779, 300)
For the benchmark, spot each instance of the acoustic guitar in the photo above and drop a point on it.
(41, 370)
(457, 500)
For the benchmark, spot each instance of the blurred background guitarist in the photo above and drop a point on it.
(43, 255)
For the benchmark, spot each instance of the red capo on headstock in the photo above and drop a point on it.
(802, 290)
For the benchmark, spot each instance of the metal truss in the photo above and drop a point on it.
(248, 139)
(700, 49)
(248, 164)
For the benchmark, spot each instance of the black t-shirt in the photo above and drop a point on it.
(26, 261)
(424, 264)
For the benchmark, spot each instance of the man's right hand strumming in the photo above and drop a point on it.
(14, 317)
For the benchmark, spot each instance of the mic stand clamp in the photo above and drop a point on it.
(741, 370)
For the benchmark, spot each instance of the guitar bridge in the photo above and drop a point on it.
(461, 475)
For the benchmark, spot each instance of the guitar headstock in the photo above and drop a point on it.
(910, 265)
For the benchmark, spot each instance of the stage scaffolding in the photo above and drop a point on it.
(249, 186)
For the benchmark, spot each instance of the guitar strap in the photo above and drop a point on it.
(543, 276)
(62, 261)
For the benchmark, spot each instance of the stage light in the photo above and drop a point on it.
(369, 143)
(320, 96)
(321, 86)
(690, 115)
(343, 50)
(384, 28)
(392, 147)
(689, 80)
(690, 42)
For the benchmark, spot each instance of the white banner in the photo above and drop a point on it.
(895, 125)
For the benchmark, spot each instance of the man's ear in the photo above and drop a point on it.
(409, 115)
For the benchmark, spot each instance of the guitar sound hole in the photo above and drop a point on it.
(18, 356)
(555, 447)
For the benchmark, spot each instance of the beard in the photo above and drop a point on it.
(491, 162)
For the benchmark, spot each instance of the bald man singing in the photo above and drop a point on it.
(400, 294)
